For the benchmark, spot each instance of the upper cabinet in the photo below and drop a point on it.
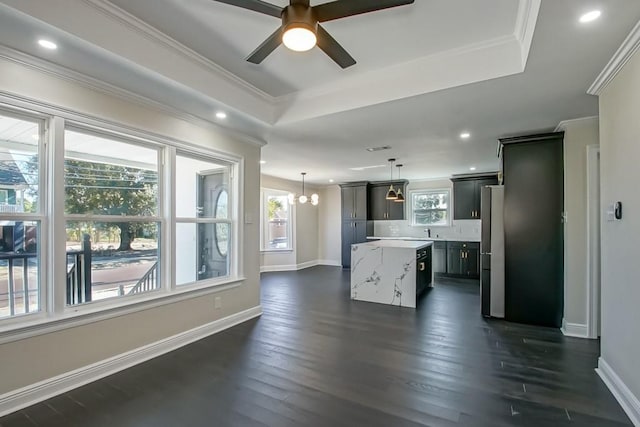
(381, 209)
(466, 195)
(354, 201)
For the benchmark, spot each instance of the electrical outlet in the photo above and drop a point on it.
(217, 303)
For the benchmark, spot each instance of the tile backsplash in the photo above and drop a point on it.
(459, 230)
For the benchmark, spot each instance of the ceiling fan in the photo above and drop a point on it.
(301, 30)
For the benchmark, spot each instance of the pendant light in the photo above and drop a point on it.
(400, 198)
(302, 199)
(391, 193)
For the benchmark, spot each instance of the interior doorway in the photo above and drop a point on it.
(593, 241)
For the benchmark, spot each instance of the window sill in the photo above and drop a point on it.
(89, 313)
(263, 251)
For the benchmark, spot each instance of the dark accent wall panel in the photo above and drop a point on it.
(533, 205)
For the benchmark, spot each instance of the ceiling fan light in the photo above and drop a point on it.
(299, 39)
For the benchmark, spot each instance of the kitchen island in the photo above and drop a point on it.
(391, 271)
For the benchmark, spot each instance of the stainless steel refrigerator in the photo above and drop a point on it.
(492, 251)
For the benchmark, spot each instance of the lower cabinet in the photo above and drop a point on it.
(353, 232)
(423, 265)
(463, 259)
(439, 257)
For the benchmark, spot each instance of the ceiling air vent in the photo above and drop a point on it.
(384, 147)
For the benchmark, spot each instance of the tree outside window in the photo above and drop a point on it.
(430, 207)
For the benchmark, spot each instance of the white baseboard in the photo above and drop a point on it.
(576, 330)
(34, 393)
(620, 391)
(295, 267)
(330, 262)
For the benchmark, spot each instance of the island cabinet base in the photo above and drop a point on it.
(390, 272)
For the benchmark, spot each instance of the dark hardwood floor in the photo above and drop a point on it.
(316, 358)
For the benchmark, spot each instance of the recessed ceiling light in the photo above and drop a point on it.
(262, 162)
(330, 180)
(465, 135)
(221, 115)
(47, 44)
(590, 16)
(472, 168)
(384, 147)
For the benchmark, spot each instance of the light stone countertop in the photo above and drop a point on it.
(397, 243)
(426, 239)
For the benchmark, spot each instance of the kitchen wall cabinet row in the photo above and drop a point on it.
(466, 194)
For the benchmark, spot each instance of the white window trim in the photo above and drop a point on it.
(264, 193)
(54, 313)
(431, 190)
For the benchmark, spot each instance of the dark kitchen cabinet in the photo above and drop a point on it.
(381, 209)
(463, 259)
(354, 201)
(533, 228)
(424, 267)
(355, 227)
(466, 195)
(353, 232)
(439, 257)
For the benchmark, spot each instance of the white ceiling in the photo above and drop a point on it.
(424, 73)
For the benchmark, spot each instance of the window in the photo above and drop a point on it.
(204, 223)
(112, 221)
(430, 207)
(92, 220)
(276, 220)
(21, 216)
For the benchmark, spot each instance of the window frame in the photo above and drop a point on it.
(54, 314)
(231, 220)
(39, 216)
(264, 195)
(425, 191)
(79, 128)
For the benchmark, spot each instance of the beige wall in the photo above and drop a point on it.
(578, 135)
(620, 175)
(305, 227)
(330, 249)
(41, 357)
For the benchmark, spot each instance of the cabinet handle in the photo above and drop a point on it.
(422, 267)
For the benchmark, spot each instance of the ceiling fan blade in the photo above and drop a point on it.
(333, 49)
(267, 46)
(343, 8)
(256, 6)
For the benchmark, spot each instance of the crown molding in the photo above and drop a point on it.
(625, 52)
(114, 12)
(563, 124)
(100, 86)
(526, 20)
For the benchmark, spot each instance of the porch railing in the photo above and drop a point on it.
(79, 275)
(17, 274)
(148, 282)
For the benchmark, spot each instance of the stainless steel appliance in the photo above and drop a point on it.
(492, 251)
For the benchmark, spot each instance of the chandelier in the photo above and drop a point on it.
(302, 199)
